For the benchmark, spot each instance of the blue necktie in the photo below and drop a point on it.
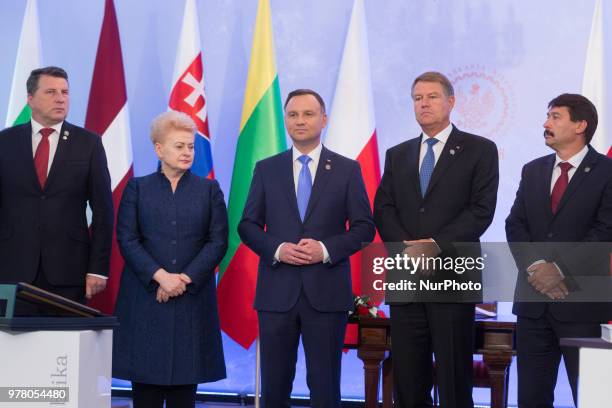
(304, 187)
(427, 167)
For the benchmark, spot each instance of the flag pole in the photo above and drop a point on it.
(257, 373)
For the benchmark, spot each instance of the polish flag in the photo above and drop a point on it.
(108, 116)
(352, 126)
(187, 93)
(595, 78)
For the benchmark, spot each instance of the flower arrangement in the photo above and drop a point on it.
(364, 307)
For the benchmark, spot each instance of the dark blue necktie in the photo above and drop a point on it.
(427, 167)
(304, 187)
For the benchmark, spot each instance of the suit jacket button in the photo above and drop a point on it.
(173, 222)
(174, 262)
(42, 197)
(422, 209)
(550, 234)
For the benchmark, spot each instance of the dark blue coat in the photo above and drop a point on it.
(178, 342)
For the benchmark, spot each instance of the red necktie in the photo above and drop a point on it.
(560, 186)
(41, 157)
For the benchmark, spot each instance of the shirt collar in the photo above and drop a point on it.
(314, 154)
(36, 127)
(442, 136)
(575, 160)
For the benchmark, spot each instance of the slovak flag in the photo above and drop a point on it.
(187, 93)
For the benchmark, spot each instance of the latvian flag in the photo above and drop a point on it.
(108, 116)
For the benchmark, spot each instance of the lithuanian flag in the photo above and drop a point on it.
(261, 135)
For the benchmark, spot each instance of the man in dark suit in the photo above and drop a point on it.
(49, 171)
(564, 197)
(295, 219)
(437, 189)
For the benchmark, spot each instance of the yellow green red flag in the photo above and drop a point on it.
(261, 135)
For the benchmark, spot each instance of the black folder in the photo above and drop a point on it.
(60, 313)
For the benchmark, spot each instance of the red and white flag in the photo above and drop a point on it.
(352, 126)
(187, 93)
(595, 78)
(108, 116)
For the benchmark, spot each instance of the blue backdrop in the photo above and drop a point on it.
(507, 59)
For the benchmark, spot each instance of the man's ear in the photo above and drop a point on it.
(581, 127)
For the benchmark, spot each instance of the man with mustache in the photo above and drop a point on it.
(564, 197)
(50, 170)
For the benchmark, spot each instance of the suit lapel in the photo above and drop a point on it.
(413, 151)
(285, 173)
(545, 176)
(324, 172)
(60, 153)
(452, 149)
(585, 168)
(25, 142)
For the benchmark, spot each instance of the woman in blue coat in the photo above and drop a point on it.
(172, 231)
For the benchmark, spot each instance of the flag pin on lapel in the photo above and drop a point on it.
(587, 169)
(327, 164)
(452, 152)
(66, 133)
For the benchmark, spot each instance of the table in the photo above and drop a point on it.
(595, 371)
(495, 341)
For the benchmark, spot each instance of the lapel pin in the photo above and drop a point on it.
(66, 133)
(587, 169)
(452, 152)
(328, 164)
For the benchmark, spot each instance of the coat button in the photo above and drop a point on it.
(42, 197)
(173, 242)
(550, 234)
(173, 222)
(174, 262)
(422, 209)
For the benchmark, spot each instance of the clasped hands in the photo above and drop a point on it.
(427, 248)
(170, 284)
(547, 279)
(306, 252)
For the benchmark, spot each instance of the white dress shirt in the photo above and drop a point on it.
(575, 161)
(53, 139)
(442, 137)
(315, 155)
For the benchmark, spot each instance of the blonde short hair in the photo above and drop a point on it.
(169, 121)
(433, 76)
